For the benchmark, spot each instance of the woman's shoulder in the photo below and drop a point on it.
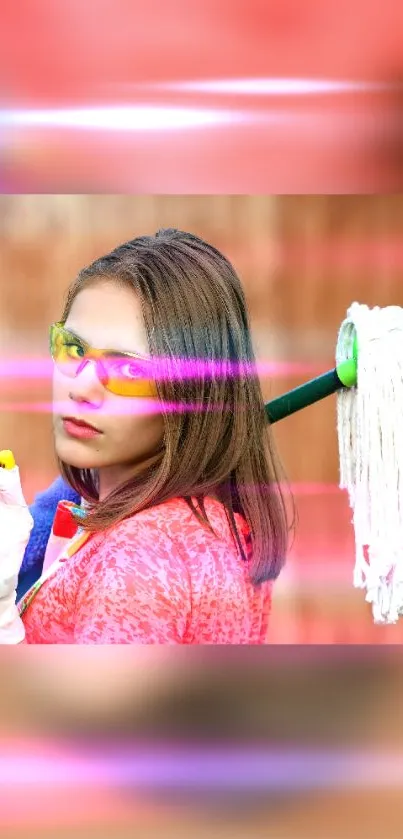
(166, 546)
(169, 520)
(142, 544)
(175, 517)
(172, 526)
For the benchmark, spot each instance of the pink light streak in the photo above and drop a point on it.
(272, 86)
(147, 116)
(27, 367)
(120, 118)
(222, 768)
(134, 406)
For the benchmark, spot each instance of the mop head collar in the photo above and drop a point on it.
(370, 435)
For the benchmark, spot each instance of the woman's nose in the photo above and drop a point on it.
(87, 385)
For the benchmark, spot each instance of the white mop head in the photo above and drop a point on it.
(370, 432)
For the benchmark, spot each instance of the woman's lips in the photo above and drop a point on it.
(79, 429)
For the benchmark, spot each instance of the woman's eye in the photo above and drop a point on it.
(127, 369)
(74, 350)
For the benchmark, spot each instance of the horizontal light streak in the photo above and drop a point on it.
(134, 406)
(178, 368)
(277, 86)
(134, 118)
(219, 769)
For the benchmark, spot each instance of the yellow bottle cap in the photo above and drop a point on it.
(7, 460)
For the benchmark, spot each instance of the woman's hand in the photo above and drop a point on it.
(16, 524)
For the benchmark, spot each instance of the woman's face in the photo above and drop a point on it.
(106, 316)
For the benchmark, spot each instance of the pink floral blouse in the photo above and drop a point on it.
(159, 577)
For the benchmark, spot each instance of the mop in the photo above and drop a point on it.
(368, 379)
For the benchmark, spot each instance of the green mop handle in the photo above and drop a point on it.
(344, 375)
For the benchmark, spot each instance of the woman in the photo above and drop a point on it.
(163, 434)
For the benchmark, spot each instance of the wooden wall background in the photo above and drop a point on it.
(302, 261)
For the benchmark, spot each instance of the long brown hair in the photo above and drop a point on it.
(194, 308)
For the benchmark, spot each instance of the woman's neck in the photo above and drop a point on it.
(111, 477)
